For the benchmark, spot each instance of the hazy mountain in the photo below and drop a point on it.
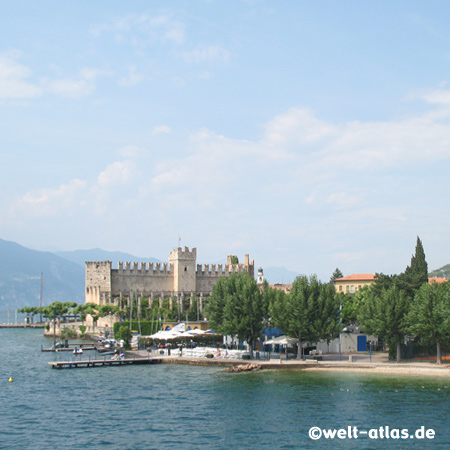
(443, 272)
(97, 254)
(20, 277)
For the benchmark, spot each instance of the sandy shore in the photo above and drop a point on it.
(379, 365)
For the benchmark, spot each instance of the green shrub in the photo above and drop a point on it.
(68, 333)
(124, 333)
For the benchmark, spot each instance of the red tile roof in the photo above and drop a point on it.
(357, 277)
(436, 280)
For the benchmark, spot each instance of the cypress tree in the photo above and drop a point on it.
(416, 274)
(336, 274)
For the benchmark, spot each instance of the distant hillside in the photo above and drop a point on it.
(443, 272)
(97, 254)
(20, 277)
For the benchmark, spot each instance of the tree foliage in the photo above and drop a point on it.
(429, 316)
(237, 307)
(310, 312)
(336, 274)
(385, 315)
(416, 274)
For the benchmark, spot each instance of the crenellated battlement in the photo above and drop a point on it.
(180, 254)
(143, 269)
(220, 270)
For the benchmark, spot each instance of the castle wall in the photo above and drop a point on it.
(208, 274)
(180, 279)
(154, 277)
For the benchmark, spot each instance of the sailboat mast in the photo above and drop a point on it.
(42, 295)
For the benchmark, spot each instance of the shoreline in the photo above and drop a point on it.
(378, 368)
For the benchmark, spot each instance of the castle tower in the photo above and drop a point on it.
(260, 279)
(184, 263)
(98, 281)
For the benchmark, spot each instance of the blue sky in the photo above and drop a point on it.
(311, 135)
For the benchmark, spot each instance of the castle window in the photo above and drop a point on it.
(185, 269)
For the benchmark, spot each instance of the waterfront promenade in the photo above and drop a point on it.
(379, 364)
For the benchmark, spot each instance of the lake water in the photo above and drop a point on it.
(191, 407)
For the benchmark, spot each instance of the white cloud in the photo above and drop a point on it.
(51, 201)
(119, 172)
(72, 197)
(161, 129)
(298, 127)
(138, 29)
(437, 96)
(132, 151)
(78, 87)
(208, 53)
(17, 83)
(132, 79)
(14, 83)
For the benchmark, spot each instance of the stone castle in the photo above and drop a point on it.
(178, 281)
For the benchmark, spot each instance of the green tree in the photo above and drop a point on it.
(30, 311)
(124, 333)
(350, 305)
(429, 316)
(67, 333)
(236, 307)
(57, 310)
(416, 274)
(96, 311)
(382, 283)
(310, 312)
(327, 322)
(385, 315)
(336, 274)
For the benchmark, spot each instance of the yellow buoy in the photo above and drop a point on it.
(10, 379)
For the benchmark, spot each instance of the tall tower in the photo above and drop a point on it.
(184, 263)
(98, 281)
(260, 279)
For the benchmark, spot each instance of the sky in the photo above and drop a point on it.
(309, 135)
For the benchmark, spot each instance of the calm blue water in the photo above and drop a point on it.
(189, 407)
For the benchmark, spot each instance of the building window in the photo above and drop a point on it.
(185, 269)
(340, 288)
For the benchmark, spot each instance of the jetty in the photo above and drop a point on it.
(77, 364)
(69, 348)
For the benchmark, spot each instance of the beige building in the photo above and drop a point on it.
(353, 283)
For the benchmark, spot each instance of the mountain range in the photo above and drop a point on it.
(63, 273)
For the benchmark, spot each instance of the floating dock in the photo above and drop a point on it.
(102, 362)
